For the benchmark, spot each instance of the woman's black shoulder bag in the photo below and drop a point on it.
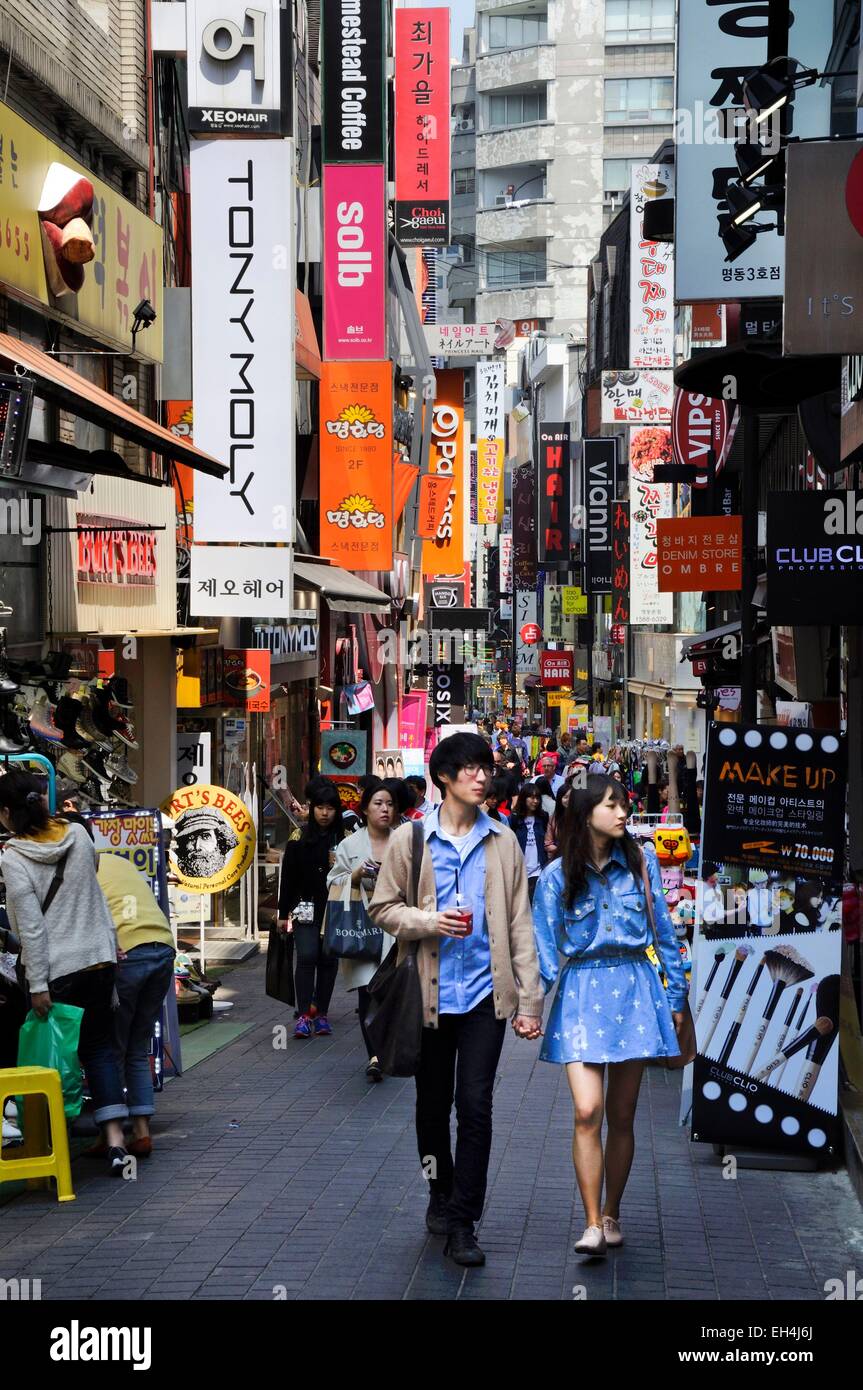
(394, 1022)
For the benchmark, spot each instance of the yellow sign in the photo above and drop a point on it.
(489, 481)
(574, 602)
(557, 699)
(214, 837)
(128, 262)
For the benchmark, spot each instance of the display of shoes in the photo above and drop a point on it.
(94, 761)
(117, 690)
(70, 765)
(117, 765)
(86, 728)
(66, 718)
(41, 720)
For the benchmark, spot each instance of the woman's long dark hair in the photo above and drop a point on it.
(22, 796)
(575, 843)
(323, 794)
(521, 811)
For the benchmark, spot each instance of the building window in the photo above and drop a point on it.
(639, 21)
(516, 31)
(617, 176)
(517, 108)
(463, 119)
(639, 99)
(468, 253)
(513, 268)
(463, 181)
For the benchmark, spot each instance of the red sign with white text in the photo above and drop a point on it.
(112, 550)
(556, 669)
(422, 126)
(699, 424)
(355, 262)
(530, 634)
(699, 554)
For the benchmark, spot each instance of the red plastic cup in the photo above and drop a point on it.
(466, 914)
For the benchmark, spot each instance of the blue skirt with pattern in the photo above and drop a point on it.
(609, 1009)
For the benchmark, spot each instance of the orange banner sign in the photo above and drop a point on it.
(699, 554)
(445, 553)
(356, 464)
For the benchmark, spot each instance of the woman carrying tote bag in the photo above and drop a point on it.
(600, 905)
(302, 904)
(358, 859)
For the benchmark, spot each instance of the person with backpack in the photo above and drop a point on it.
(477, 965)
(302, 903)
(68, 941)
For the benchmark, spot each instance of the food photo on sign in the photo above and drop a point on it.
(343, 752)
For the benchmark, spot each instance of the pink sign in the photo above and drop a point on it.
(354, 262)
(412, 722)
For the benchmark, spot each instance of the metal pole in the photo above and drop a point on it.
(748, 651)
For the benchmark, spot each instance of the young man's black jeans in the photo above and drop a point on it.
(459, 1058)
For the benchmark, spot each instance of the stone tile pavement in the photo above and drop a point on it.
(282, 1173)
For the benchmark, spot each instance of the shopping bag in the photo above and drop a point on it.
(53, 1042)
(394, 1021)
(349, 932)
(280, 967)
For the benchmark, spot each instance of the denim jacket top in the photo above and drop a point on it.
(607, 920)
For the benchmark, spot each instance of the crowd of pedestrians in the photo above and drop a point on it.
(514, 877)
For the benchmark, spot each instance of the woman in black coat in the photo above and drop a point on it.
(529, 822)
(307, 861)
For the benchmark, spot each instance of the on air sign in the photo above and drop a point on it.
(556, 669)
(240, 68)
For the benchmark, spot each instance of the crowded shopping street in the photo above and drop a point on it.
(431, 669)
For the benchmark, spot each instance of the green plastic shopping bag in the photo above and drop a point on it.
(53, 1042)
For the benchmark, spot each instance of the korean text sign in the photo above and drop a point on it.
(354, 262)
(445, 553)
(422, 96)
(648, 501)
(490, 441)
(651, 276)
(620, 579)
(356, 472)
(699, 554)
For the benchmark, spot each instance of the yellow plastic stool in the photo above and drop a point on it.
(36, 1165)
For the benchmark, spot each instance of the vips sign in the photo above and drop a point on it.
(240, 68)
(353, 48)
(445, 553)
(422, 127)
(814, 557)
(698, 425)
(554, 495)
(356, 473)
(214, 838)
(354, 262)
(556, 669)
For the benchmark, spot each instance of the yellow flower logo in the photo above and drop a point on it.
(357, 413)
(357, 503)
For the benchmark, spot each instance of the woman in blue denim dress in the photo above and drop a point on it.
(611, 1007)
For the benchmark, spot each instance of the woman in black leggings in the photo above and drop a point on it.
(302, 903)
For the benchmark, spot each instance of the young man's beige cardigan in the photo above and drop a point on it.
(514, 963)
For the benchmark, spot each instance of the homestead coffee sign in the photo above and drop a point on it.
(112, 550)
(699, 424)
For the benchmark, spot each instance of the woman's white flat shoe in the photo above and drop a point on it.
(593, 1242)
(612, 1232)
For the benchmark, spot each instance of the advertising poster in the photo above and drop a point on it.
(599, 460)
(822, 274)
(814, 557)
(489, 441)
(648, 501)
(558, 621)
(767, 950)
(444, 554)
(506, 563)
(398, 762)
(556, 670)
(620, 578)
(422, 126)
(355, 263)
(700, 554)
(179, 420)
(227, 94)
(343, 753)
(461, 339)
(651, 274)
(246, 674)
(412, 719)
(356, 464)
(214, 838)
(353, 76)
(574, 602)
(637, 397)
(554, 490)
(350, 793)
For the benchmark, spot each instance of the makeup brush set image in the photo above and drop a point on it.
(766, 1014)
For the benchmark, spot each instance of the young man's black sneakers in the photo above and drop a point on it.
(436, 1214)
(117, 1160)
(461, 1247)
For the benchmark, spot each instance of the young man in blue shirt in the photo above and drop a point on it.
(472, 980)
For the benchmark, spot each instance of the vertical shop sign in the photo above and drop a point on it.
(525, 617)
(599, 459)
(243, 337)
(651, 275)
(356, 472)
(422, 126)
(353, 75)
(445, 553)
(620, 581)
(490, 439)
(648, 501)
(449, 694)
(354, 262)
(554, 495)
(524, 527)
(240, 69)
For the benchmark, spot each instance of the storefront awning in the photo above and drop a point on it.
(307, 352)
(344, 592)
(55, 382)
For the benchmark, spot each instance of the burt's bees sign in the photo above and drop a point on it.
(112, 550)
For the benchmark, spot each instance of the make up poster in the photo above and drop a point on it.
(767, 947)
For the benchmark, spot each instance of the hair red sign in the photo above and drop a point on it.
(699, 424)
(556, 669)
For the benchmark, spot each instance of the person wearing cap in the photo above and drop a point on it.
(204, 842)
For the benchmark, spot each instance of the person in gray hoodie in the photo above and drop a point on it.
(68, 941)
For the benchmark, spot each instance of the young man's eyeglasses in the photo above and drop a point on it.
(475, 770)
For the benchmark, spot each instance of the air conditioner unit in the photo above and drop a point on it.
(463, 128)
(502, 200)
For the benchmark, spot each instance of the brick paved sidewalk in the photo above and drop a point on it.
(286, 1168)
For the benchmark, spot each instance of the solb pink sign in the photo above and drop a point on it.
(354, 262)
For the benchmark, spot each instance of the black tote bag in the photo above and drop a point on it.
(394, 1022)
(280, 967)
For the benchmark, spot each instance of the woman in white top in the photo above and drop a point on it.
(358, 859)
(530, 823)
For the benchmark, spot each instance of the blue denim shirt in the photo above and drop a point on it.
(465, 965)
(608, 919)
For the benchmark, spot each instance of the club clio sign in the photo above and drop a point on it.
(240, 68)
(354, 262)
(814, 557)
(422, 135)
(353, 45)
